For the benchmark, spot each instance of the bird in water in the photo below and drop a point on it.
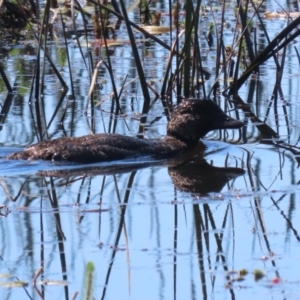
(189, 122)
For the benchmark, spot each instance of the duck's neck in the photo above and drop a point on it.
(188, 140)
(186, 127)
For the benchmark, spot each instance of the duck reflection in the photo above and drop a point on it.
(200, 177)
(194, 176)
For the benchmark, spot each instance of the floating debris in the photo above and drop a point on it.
(53, 282)
(282, 15)
(13, 284)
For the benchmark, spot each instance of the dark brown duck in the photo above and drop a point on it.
(190, 121)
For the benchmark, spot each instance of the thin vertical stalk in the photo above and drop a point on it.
(187, 48)
(139, 68)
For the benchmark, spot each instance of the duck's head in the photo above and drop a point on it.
(194, 118)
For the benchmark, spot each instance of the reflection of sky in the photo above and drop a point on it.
(143, 267)
(147, 268)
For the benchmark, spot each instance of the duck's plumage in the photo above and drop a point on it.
(190, 121)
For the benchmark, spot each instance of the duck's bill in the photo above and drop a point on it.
(230, 123)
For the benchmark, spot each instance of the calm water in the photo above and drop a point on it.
(142, 223)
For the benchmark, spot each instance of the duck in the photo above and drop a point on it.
(190, 121)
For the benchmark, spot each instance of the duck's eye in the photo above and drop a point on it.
(228, 119)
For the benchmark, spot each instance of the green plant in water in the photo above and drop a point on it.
(61, 54)
(29, 26)
(145, 12)
(249, 25)
(210, 34)
(236, 10)
(89, 279)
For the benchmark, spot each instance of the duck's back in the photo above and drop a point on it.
(189, 122)
(98, 148)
